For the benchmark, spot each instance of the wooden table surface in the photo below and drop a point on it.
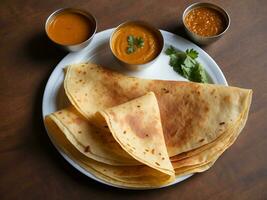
(31, 168)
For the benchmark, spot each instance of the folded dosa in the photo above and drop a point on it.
(140, 176)
(136, 126)
(128, 134)
(192, 114)
(93, 142)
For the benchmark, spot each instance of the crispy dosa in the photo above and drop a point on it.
(122, 176)
(136, 126)
(192, 114)
(95, 143)
(122, 138)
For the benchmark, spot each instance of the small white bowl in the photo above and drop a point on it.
(143, 65)
(79, 46)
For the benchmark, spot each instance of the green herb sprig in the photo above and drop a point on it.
(134, 43)
(186, 65)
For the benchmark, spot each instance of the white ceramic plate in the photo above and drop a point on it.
(98, 52)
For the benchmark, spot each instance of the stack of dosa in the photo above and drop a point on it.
(135, 132)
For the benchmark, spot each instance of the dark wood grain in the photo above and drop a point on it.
(31, 168)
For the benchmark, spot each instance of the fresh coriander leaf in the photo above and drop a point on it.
(195, 75)
(186, 65)
(130, 49)
(171, 50)
(189, 62)
(204, 77)
(198, 74)
(130, 40)
(186, 71)
(192, 53)
(176, 61)
(134, 43)
(139, 42)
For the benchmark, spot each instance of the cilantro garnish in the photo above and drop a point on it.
(134, 43)
(186, 65)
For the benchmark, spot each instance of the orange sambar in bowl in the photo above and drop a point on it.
(69, 28)
(151, 48)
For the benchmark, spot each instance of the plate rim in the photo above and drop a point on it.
(76, 165)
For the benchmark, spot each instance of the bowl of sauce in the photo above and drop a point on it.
(70, 28)
(136, 44)
(205, 22)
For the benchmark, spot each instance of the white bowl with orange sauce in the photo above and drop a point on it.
(71, 28)
(147, 45)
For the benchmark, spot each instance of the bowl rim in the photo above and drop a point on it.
(147, 25)
(208, 5)
(85, 13)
